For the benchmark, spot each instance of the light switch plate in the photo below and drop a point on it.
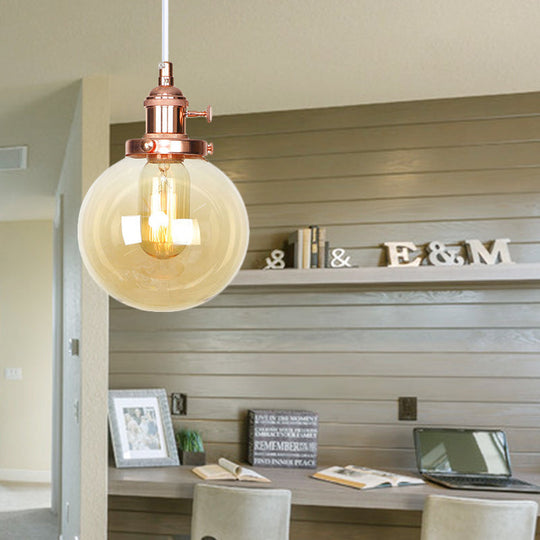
(407, 409)
(178, 404)
(13, 373)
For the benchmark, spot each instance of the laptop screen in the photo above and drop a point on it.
(461, 451)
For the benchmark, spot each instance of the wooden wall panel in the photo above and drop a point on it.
(438, 111)
(330, 341)
(445, 169)
(445, 316)
(350, 364)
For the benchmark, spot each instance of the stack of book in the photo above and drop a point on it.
(308, 248)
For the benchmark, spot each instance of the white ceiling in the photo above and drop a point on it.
(246, 56)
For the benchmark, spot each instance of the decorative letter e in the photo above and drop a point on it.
(398, 254)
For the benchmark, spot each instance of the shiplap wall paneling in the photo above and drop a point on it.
(447, 170)
(471, 358)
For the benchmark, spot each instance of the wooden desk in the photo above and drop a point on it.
(321, 510)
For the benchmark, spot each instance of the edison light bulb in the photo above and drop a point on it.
(163, 235)
(164, 199)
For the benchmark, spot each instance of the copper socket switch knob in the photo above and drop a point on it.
(201, 114)
(210, 148)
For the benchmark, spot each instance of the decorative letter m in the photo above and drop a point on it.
(479, 254)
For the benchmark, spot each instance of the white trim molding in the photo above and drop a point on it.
(25, 475)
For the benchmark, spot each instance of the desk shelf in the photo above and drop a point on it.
(499, 274)
(178, 483)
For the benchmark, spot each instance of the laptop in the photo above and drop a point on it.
(467, 459)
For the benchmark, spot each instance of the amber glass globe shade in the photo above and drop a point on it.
(163, 235)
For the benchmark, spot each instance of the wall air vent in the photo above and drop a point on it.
(13, 158)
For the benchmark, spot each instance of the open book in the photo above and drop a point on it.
(364, 478)
(227, 470)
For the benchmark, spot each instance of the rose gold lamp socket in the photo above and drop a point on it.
(166, 113)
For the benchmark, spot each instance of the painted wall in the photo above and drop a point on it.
(26, 342)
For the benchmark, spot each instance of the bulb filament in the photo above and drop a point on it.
(164, 208)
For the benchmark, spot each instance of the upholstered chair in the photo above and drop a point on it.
(456, 518)
(230, 513)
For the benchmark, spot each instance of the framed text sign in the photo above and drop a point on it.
(281, 438)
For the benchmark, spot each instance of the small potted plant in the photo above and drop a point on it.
(190, 447)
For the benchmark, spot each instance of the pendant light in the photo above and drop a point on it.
(163, 229)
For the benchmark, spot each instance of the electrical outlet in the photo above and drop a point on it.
(13, 373)
(407, 408)
(178, 404)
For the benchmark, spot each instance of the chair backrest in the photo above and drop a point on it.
(229, 513)
(456, 518)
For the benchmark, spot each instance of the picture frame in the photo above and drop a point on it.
(141, 428)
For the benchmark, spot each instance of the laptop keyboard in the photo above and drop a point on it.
(478, 481)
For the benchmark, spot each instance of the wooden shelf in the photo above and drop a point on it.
(496, 274)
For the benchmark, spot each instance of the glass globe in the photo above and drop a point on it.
(163, 234)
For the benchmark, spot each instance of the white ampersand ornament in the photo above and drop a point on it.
(276, 260)
(338, 259)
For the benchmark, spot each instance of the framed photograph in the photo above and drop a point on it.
(141, 428)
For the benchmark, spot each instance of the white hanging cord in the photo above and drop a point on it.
(164, 30)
